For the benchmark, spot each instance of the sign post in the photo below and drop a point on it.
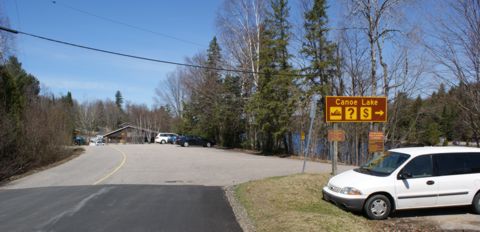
(334, 136)
(313, 110)
(335, 153)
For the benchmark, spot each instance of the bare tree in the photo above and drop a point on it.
(455, 46)
(6, 38)
(87, 116)
(239, 22)
(374, 17)
(172, 91)
(112, 115)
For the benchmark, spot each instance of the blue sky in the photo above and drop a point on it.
(90, 75)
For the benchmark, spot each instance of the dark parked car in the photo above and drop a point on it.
(172, 139)
(186, 141)
(79, 140)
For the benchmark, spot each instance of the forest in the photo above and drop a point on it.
(259, 76)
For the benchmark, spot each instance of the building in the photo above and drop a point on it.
(130, 134)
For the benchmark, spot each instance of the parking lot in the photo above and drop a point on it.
(151, 166)
(165, 164)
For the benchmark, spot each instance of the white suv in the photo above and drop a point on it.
(163, 137)
(409, 178)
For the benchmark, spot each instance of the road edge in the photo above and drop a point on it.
(124, 159)
(238, 210)
(76, 152)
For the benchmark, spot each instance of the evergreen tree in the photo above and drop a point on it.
(201, 113)
(68, 107)
(272, 104)
(18, 89)
(119, 100)
(318, 50)
(230, 112)
(413, 125)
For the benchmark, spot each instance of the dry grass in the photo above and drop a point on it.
(294, 203)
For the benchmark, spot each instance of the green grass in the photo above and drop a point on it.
(294, 203)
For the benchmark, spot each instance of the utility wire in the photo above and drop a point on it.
(125, 24)
(140, 57)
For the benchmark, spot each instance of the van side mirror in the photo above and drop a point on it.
(404, 175)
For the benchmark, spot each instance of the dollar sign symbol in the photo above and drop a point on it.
(365, 113)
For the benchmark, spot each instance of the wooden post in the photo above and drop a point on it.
(335, 153)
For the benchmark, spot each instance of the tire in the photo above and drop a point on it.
(163, 142)
(185, 144)
(209, 144)
(476, 204)
(377, 207)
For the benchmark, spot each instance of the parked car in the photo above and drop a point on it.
(163, 137)
(188, 140)
(79, 140)
(409, 178)
(172, 139)
(97, 141)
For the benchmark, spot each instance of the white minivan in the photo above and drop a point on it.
(409, 178)
(164, 137)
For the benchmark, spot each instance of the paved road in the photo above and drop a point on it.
(137, 188)
(155, 188)
(155, 164)
(116, 208)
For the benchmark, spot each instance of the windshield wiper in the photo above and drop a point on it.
(364, 170)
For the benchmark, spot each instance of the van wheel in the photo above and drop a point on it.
(185, 144)
(377, 207)
(209, 145)
(163, 142)
(476, 203)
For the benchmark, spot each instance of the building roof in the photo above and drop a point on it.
(129, 126)
(414, 151)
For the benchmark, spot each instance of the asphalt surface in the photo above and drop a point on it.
(166, 164)
(116, 208)
(137, 188)
(157, 188)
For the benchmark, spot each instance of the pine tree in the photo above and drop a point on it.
(272, 104)
(20, 88)
(202, 115)
(318, 50)
(119, 100)
(231, 122)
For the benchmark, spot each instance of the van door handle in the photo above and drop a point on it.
(430, 182)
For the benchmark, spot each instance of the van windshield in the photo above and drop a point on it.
(384, 164)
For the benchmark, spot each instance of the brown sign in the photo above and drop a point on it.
(336, 135)
(355, 109)
(375, 146)
(375, 141)
(375, 135)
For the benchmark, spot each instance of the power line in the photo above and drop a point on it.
(126, 24)
(141, 57)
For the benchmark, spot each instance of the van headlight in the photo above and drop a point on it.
(350, 191)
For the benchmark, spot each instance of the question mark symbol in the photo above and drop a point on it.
(351, 111)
